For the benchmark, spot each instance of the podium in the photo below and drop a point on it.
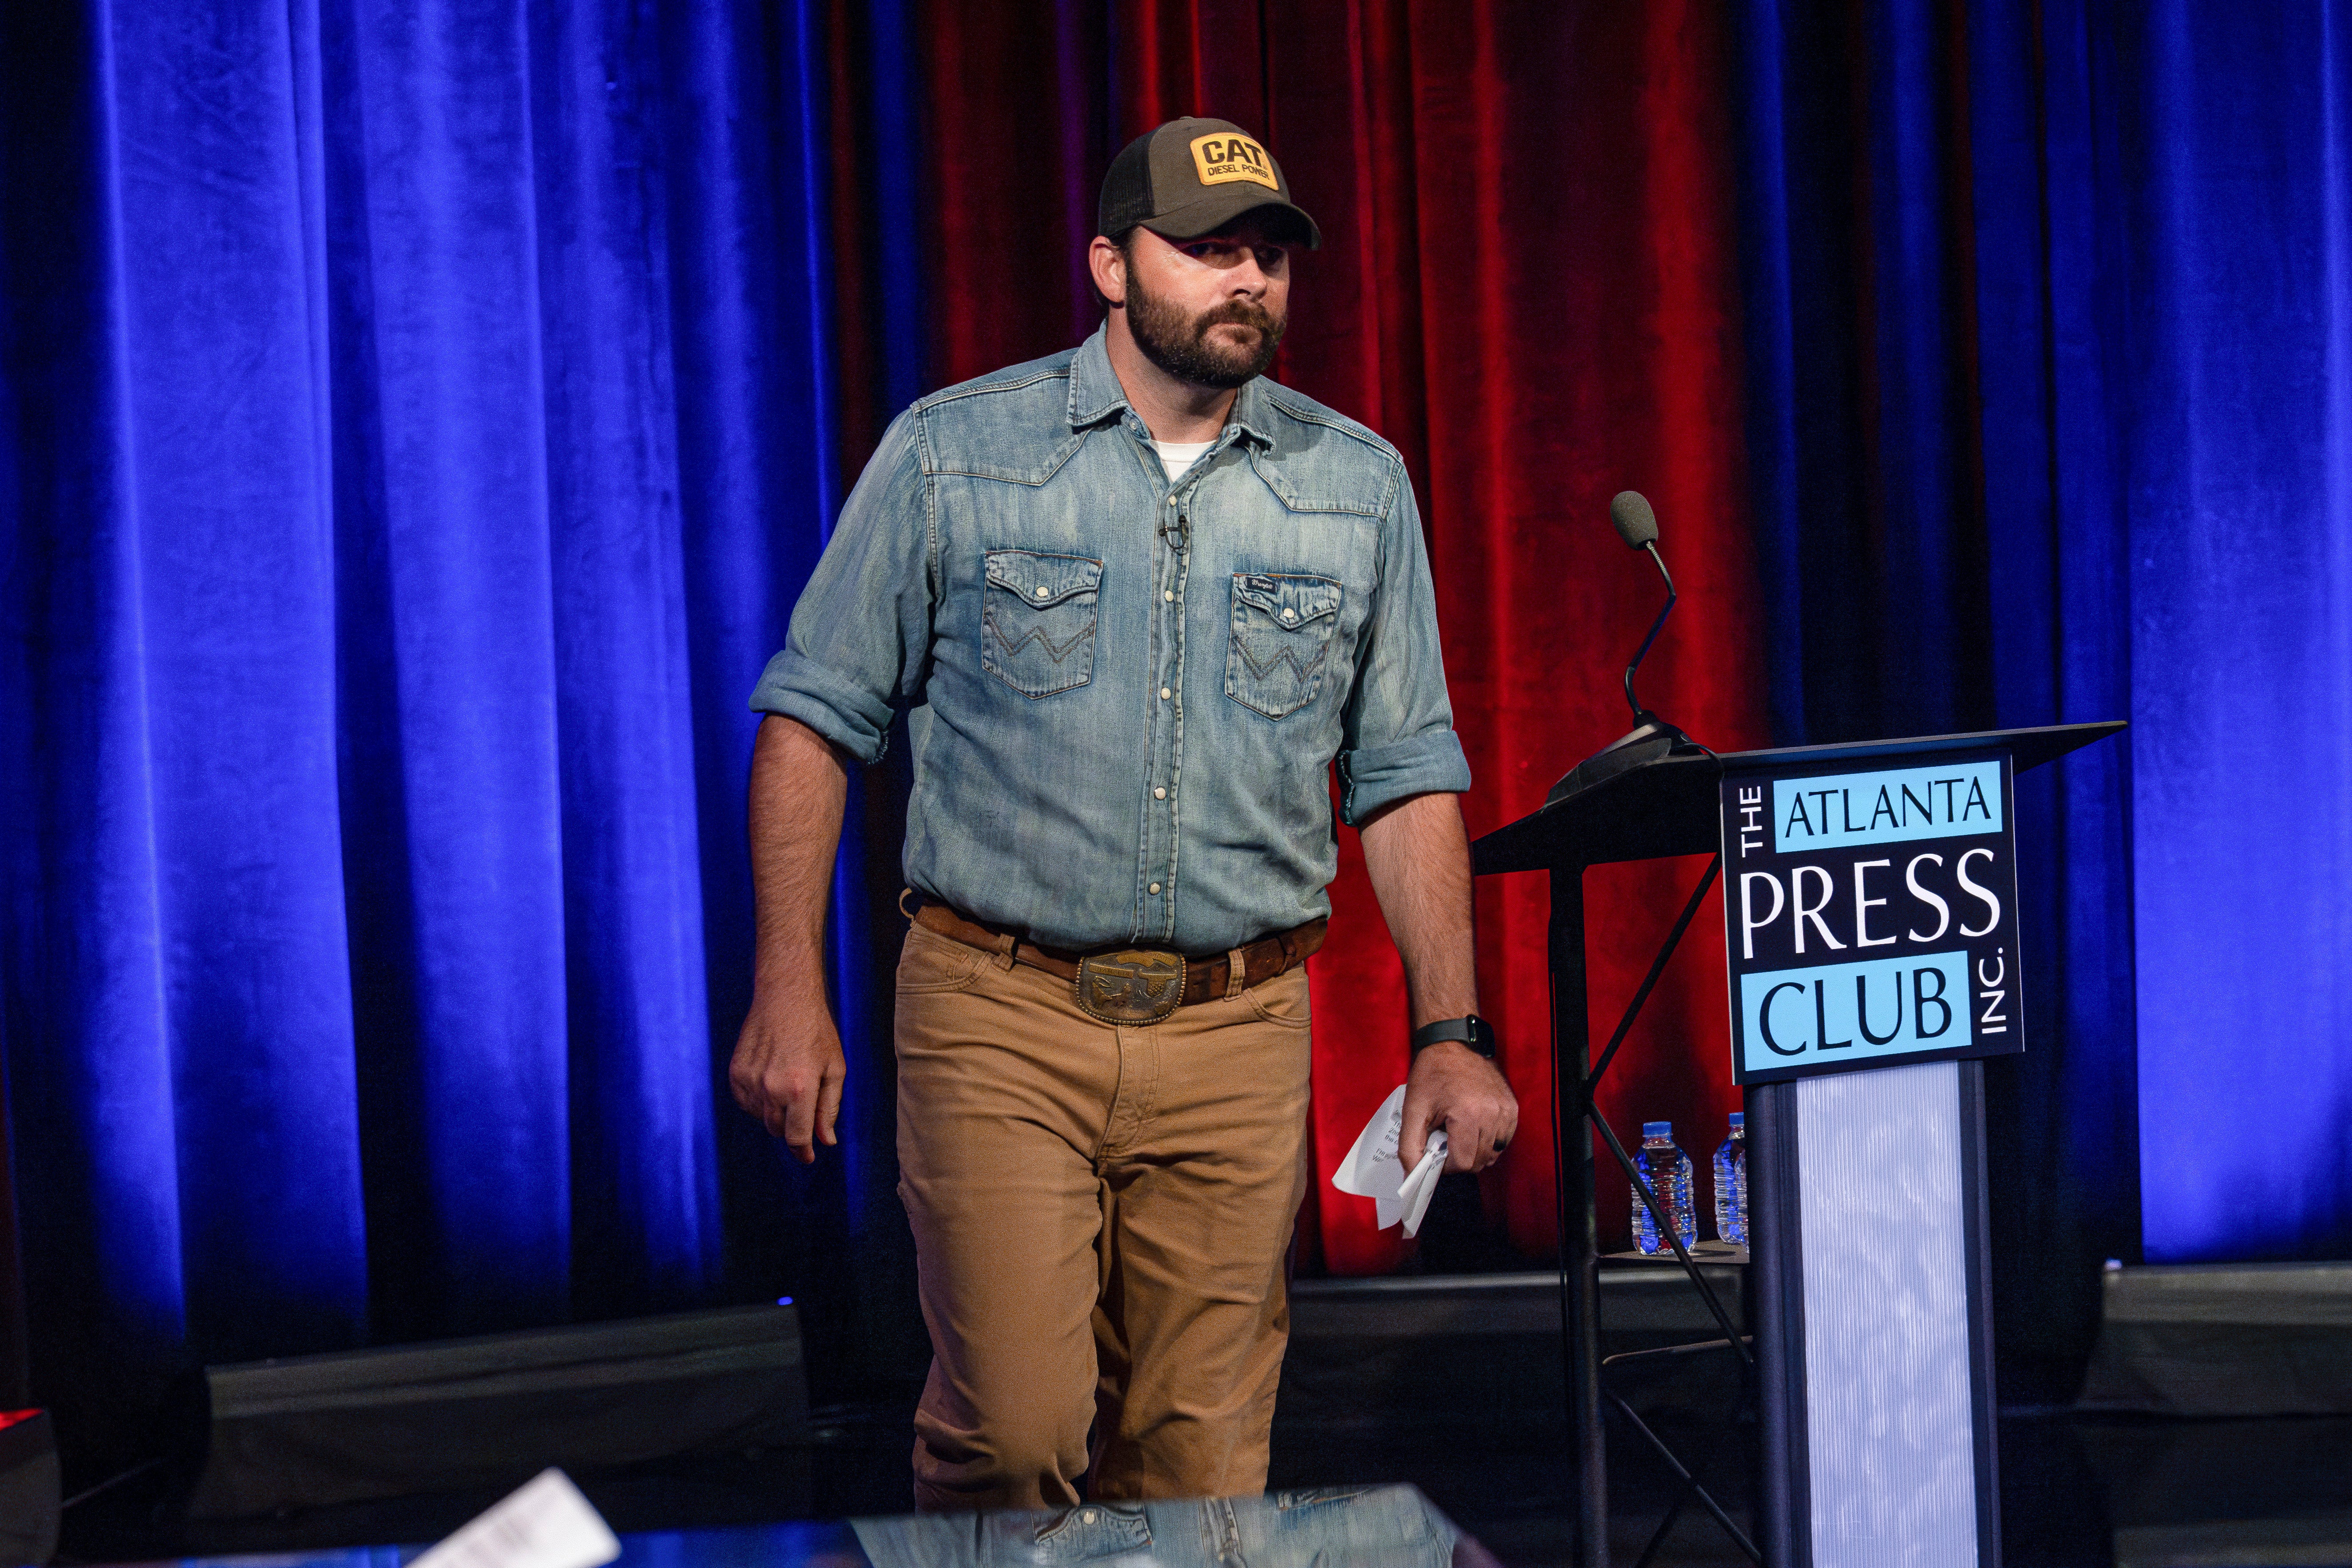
(1865, 885)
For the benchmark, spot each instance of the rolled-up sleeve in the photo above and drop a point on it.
(860, 636)
(1398, 739)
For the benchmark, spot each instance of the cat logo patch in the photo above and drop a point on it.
(1223, 157)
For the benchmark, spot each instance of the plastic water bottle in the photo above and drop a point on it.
(1665, 1171)
(1731, 1184)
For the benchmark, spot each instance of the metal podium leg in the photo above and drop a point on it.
(1777, 1288)
(1976, 1218)
(1578, 1231)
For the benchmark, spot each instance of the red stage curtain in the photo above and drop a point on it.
(1528, 285)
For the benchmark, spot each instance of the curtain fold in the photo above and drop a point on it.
(2162, 239)
(1860, 364)
(2047, 232)
(450, 694)
(2235, 412)
(2047, 399)
(1927, 277)
(419, 425)
(177, 858)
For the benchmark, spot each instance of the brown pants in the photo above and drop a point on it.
(1101, 1215)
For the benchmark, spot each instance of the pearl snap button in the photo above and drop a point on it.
(1087, 1517)
(1044, 591)
(1155, 887)
(1165, 694)
(1160, 795)
(1287, 615)
(1169, 594)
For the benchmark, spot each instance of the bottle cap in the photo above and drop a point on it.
(1657, 1128)
(1739, 1119)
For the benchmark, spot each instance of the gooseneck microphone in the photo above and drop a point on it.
(1652, 738)
(1637, 525)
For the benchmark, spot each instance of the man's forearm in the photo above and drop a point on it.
(1419, 856)
(799, 787)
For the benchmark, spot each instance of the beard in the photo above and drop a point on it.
(1179, 344)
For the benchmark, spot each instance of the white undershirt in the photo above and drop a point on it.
(1178, 455)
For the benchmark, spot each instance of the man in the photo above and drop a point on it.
(1136, 601)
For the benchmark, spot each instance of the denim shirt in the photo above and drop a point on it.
(1125, 695)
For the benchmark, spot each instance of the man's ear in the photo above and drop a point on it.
(1107, 265)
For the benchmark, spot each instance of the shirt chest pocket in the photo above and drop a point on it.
(1037, 620)
(1281, 641)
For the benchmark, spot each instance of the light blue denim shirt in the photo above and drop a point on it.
(1124, 696)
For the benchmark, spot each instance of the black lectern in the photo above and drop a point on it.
(1865, 885)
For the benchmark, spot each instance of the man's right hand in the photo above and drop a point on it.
(788, 1071)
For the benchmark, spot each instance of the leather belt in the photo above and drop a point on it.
(1131, 985)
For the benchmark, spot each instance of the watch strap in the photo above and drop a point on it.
(1471, 1031)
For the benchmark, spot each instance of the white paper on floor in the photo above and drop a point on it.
(1372, 1166)
(543, 1523)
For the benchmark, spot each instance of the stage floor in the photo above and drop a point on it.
(2078, 1492)
(1452, 1385)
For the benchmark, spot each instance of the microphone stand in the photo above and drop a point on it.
(1577, 1082)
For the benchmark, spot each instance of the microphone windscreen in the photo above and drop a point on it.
(1636, 524)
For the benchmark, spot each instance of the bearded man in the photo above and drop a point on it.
(1135, 600)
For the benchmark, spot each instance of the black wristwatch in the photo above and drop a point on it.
(1473, 1031)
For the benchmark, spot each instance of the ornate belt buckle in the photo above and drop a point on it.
(1137, 985)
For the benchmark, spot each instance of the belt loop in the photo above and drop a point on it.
(1289, 952)
(1006, 946)
(1236, 972)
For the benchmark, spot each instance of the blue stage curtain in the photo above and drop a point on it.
(2067, 1115)
(1861, 369)
(2166, 266)
(1906, 552)
(2051, 419)
(2225, 355)
(416, 424)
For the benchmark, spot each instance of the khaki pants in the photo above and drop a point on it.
(1102, 1216)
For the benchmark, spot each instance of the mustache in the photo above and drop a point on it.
(1237, 312)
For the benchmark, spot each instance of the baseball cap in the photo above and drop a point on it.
(1191, 177)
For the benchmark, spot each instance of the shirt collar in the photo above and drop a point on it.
(1096, 394)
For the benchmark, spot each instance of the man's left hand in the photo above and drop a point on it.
(1454, 1088)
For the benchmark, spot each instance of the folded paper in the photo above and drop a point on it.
(544, 1523)
(1373, 1164)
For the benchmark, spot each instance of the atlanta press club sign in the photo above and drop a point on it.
(1870, 916)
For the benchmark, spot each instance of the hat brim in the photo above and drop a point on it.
(1220, 209)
